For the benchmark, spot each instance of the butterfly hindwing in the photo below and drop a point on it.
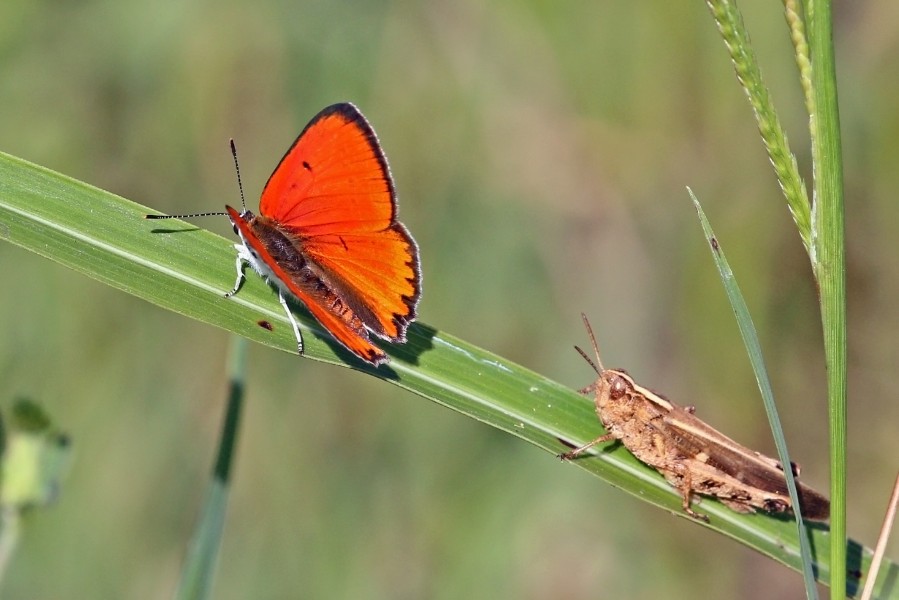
(379, 270)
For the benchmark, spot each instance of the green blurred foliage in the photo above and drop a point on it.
(540, 151)
(35, 456)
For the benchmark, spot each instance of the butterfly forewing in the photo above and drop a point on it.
(334, 177)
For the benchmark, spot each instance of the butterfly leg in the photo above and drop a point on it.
(239, 263)
(293, 322)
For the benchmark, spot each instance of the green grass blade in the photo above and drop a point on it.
(829, 260)
(754, 350)
(199, 567)
(105, 237)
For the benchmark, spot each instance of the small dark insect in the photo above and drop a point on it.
(265, 325)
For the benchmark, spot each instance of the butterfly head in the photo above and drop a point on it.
(246, 216)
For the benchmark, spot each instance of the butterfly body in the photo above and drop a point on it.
(278, 257)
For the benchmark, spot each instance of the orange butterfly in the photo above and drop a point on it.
(327, 234)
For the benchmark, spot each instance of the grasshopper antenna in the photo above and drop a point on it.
(599, 369)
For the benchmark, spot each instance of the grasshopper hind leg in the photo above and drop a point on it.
(686, 490)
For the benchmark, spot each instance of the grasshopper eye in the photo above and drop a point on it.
(617, 387)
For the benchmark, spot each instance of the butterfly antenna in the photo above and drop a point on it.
(209, 214)
(599, 369)
(190, 216)
(243, 201)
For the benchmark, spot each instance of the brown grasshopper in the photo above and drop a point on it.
(693, 456)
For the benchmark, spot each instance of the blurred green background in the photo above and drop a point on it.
(540, 151)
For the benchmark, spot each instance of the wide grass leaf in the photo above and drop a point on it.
(183, 268)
